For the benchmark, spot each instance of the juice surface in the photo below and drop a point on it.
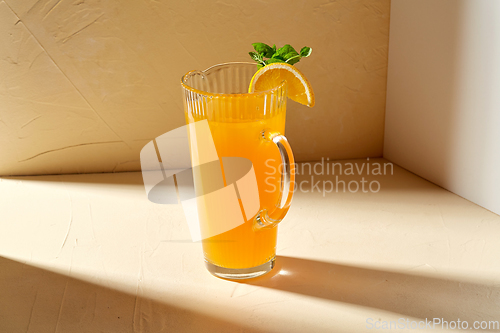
(244, 247)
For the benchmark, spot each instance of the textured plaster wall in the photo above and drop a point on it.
(85, 84)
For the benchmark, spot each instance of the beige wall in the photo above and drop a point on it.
(443, 98)
(84, 85)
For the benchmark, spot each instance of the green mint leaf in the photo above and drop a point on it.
(293, 60)
(263, 49)
(277, 56)
(286, 52)
(291, 55)
(257, 57)
(271, 60)
(305, 51)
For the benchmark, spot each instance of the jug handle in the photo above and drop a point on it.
(265, 218)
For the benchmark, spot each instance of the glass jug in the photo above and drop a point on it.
(243, 127)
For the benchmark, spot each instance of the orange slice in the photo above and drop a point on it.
(270, 76)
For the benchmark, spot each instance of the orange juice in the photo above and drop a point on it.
(244, 126)
(243, 246)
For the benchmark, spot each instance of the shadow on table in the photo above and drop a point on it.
(407, 294)
(36, 300)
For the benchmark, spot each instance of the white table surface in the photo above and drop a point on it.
(90, 253)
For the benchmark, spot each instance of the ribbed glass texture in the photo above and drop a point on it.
(220, 93)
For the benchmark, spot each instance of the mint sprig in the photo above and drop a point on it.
(286, 54)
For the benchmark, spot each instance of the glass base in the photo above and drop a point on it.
(240, 273)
